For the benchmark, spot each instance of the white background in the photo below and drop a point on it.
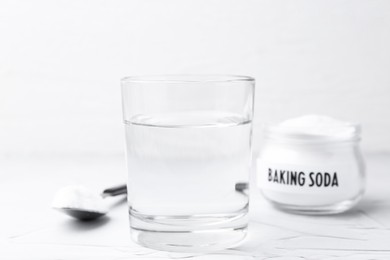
(61, 121)
(61, 62)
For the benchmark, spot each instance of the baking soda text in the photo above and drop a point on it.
(298, 178)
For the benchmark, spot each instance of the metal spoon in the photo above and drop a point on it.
(82, 204)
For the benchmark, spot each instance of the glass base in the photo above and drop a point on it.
(335, 208)
(190, 234)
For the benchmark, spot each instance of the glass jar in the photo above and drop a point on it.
(311, 174)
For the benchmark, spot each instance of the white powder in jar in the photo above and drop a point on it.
(314, 127)
(317, 125)
(312, 164)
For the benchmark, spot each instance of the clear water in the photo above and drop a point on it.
(183, 173)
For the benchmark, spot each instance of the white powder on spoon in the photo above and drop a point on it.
(79, 197)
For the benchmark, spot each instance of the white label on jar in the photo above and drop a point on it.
(303, 179)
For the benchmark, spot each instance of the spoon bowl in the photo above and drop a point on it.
(82, 214)
(83, 204)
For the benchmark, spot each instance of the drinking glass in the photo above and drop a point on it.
(188, 140)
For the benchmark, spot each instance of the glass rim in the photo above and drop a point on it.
(187, 78)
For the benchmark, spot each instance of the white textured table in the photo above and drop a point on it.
(29, 229)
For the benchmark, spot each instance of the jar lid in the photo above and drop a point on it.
(313, 129)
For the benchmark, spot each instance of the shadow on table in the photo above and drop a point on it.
(367, 205)
(77, 225)
(120, 201)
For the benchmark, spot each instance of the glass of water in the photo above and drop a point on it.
(189, 157)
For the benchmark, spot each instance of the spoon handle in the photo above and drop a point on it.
(114, 191)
